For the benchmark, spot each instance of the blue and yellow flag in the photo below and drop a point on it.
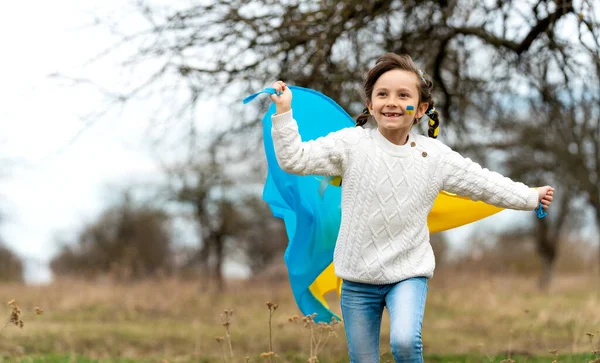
(312, 216)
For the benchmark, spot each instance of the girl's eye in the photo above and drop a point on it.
(403, 95)
(381, 94)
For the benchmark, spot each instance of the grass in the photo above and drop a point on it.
(573, 358)
(467, 319)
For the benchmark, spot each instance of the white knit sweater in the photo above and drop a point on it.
(387, 194)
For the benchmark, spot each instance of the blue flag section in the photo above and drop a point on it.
(312, 220)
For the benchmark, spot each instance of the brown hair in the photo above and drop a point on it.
(391, 61)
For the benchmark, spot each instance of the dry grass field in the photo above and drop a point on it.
(468, 319)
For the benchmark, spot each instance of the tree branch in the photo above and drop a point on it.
(540, 27)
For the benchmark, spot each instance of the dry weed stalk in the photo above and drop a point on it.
(272, 307)
(510, 338)
(15, 315)
(489, 358)
(595, 347)
(555, 353)
(220, 341)
(319, 334)
(226, 319)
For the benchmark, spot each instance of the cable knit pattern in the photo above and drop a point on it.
(387, 194)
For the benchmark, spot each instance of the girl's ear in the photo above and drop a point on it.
(423, 106)
(369, 107)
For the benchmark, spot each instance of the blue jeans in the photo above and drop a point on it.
(362, 308)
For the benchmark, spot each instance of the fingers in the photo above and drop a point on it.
(545, 204)
(279, 86)
(547, 200)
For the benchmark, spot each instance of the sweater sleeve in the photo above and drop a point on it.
(326, 155)
(464, 177)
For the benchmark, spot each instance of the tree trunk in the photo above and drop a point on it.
(598, 227)
(546, 246)
(547, 273)
(220, 256)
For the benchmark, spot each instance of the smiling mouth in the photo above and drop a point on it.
(391, 114)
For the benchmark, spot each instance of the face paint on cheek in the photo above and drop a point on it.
(410, 110)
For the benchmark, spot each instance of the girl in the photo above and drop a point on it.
(391, 177)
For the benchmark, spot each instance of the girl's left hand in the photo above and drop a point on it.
(282, 100)
(545, 196)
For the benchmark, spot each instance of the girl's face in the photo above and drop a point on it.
(392, 93)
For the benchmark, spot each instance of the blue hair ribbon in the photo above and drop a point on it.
(539, 211)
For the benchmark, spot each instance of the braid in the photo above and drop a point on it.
(426, 95)
(362, 119)
(434, 121)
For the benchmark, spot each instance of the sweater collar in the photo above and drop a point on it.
(391, 148)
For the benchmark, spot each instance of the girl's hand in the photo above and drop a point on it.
(283, 102)
(545, 196)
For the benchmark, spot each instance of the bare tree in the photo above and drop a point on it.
(128, 241)
(11, 266)
(264, 238)
(231, 220)
(558, 137)
(530, 157)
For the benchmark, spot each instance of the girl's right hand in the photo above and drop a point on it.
(545, 196)
(283, 102)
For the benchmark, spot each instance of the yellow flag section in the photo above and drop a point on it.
(449, 211)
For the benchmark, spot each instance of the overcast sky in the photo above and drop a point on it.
(55, 169)
(52, 180)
